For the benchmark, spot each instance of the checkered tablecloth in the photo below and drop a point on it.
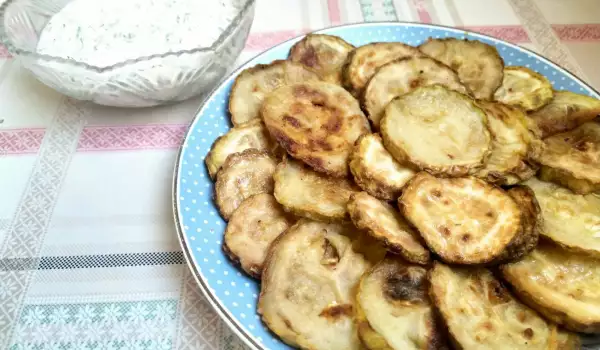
(89, 258)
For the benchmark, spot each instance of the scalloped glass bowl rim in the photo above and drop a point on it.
(247, 5)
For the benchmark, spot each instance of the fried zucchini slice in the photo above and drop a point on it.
(253, 226)
(364, 61)
(317, 123)
(571, 220)
(572, 159)
(393, 309)
(566, 111)
(309, 194)
(252, 135)
(562, 286)
(402, 76)
(243, 175)
(506, 164)
(478, 65)
(375, 170)
(309, 284)
(322, 53)
(383, 222)
(438, 130)
(524, 88)
(531, 224)
(482, 314)
(463, 220)
(255, 83)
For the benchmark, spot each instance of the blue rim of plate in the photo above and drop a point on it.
(183, 230)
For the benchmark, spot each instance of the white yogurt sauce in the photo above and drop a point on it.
(105, 32)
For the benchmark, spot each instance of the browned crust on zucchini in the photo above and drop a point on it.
(390, 227)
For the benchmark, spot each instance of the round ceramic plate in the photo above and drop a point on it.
(232, 293)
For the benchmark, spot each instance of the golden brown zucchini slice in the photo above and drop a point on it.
(531, 224)
(254, 84)
(570, 219)
(317, 123)
(438, 130)
(253, 226)
(479, 66)
(383, 222)
(402, 76)
(572, 159)
(247, 136)
(243, 175)
(309, 284)
(375, 170)
(393, 308)
(364, 61)
(506, 164)
(307, 193)
(482, 314)
(524, 88)
(566, 111)
(322, 53)
(463, 220)
(562, 286)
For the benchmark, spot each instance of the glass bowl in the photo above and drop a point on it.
(138, 82)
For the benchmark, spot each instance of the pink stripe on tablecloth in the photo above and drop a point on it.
(577, 32)
(131, 137)
(422, 11)
(20, 141)
(515, 34)
(333, 7)
(265, 40)
(4, 52)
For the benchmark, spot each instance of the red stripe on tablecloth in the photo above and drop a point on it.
(20, 141)
(333, 7)
(131, 137)
(578, 32)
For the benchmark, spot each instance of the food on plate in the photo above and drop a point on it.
(402, 76)
(572, 159)
(364, 61)
(394, 311)
(324, 54)
(480, 313)
(252, 135)
(317, 123)
(531, 224)
(253, 226)
(308, 286)
(242, 175)
(463, 220)
(375, 170)
(478, 65)
(253, 84)
(438, 130)
(306, 193)
(454, 125)
(566, 111)
(562, 286)
(571, 220)
(511, 138)
(383, 222)
(524, 88)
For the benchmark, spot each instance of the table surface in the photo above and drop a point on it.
(88, 252)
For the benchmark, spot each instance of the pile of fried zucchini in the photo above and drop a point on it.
(398, 197)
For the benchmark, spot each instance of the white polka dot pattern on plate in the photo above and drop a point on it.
(235, 293)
